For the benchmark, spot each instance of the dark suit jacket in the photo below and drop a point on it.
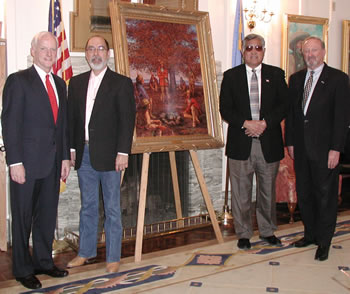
(28, 127)
(326, 122)
(235, 109)
(112, 119)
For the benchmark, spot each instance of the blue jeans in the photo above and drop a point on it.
(89, 182)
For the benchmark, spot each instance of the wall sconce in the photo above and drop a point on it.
(254, 13)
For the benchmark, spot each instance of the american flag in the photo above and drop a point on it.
(63, 67)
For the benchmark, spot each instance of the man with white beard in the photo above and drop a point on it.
(101, 115)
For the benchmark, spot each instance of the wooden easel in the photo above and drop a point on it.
(142, 199)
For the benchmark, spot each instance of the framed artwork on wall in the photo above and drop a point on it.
(91, 17)
(169, 56)
(346, 47)
(296, 28)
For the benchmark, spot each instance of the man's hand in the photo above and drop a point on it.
(18, 173)
(72, 158)
(254, 128)
(65, 169)
(333, 158)
(121, 162)
(291, 151)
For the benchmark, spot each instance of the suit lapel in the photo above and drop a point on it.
(243, 80)
(319, 88)
(266, 79)
(101, 93)
(300, 87)
(41, 95)
(83, 95)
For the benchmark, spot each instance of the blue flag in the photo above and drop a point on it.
(238, 35)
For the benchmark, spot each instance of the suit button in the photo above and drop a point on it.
(306, 121)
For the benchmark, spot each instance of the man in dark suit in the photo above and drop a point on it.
(101, 122)
(315, 135)
(254, 101)
(34, 127)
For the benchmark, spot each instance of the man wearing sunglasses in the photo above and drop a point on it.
(316, 132)
(254, 101)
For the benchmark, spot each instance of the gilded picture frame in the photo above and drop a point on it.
(346, 47)
(91, 17)
(296, 28)
(172, 45)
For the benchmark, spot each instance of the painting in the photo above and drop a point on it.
(296, 28)
(169, 56)
(346, 47)
(92, 17)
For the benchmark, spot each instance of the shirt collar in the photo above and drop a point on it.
(41, 72)
(257, 69)
(317, 70)
(99, 76)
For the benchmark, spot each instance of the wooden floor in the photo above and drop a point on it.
(154, 244)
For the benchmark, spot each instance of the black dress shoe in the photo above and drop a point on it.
(322, 253)
(272, 240)
(244, 243)
(30, 282)
(303, 243)
(54, 272)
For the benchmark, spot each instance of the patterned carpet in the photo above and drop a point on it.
(192, 269)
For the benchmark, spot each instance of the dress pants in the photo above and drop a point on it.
(241, 175)
(317, 190)
(34, 209)
(89, 182)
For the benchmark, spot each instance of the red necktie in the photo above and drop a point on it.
(52, 98)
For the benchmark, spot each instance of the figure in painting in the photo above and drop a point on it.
(191, 83)
(141, 92)
(162, 74)
(193, 109)
(144, 119)
(182, 85)
(153, 83)
(296, 59)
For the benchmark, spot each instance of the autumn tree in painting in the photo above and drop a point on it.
(150, 42)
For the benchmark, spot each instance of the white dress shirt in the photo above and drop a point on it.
(94, 85)
(317, 73)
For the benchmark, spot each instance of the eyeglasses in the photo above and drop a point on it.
(257, 48)
(93, 49)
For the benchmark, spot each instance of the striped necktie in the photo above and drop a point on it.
(254, 96)
(307, 89)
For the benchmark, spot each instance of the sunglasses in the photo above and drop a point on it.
(257, 48)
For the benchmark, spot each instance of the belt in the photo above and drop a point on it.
(256, 138)
(86, 142)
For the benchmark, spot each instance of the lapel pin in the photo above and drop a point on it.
(322, 82)
(267, 81)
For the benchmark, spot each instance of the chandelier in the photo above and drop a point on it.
(254, 14)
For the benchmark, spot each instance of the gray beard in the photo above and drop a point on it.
(99, 66)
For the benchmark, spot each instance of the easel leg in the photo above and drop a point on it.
(206, 196)
(175, 184)
(142, 207)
